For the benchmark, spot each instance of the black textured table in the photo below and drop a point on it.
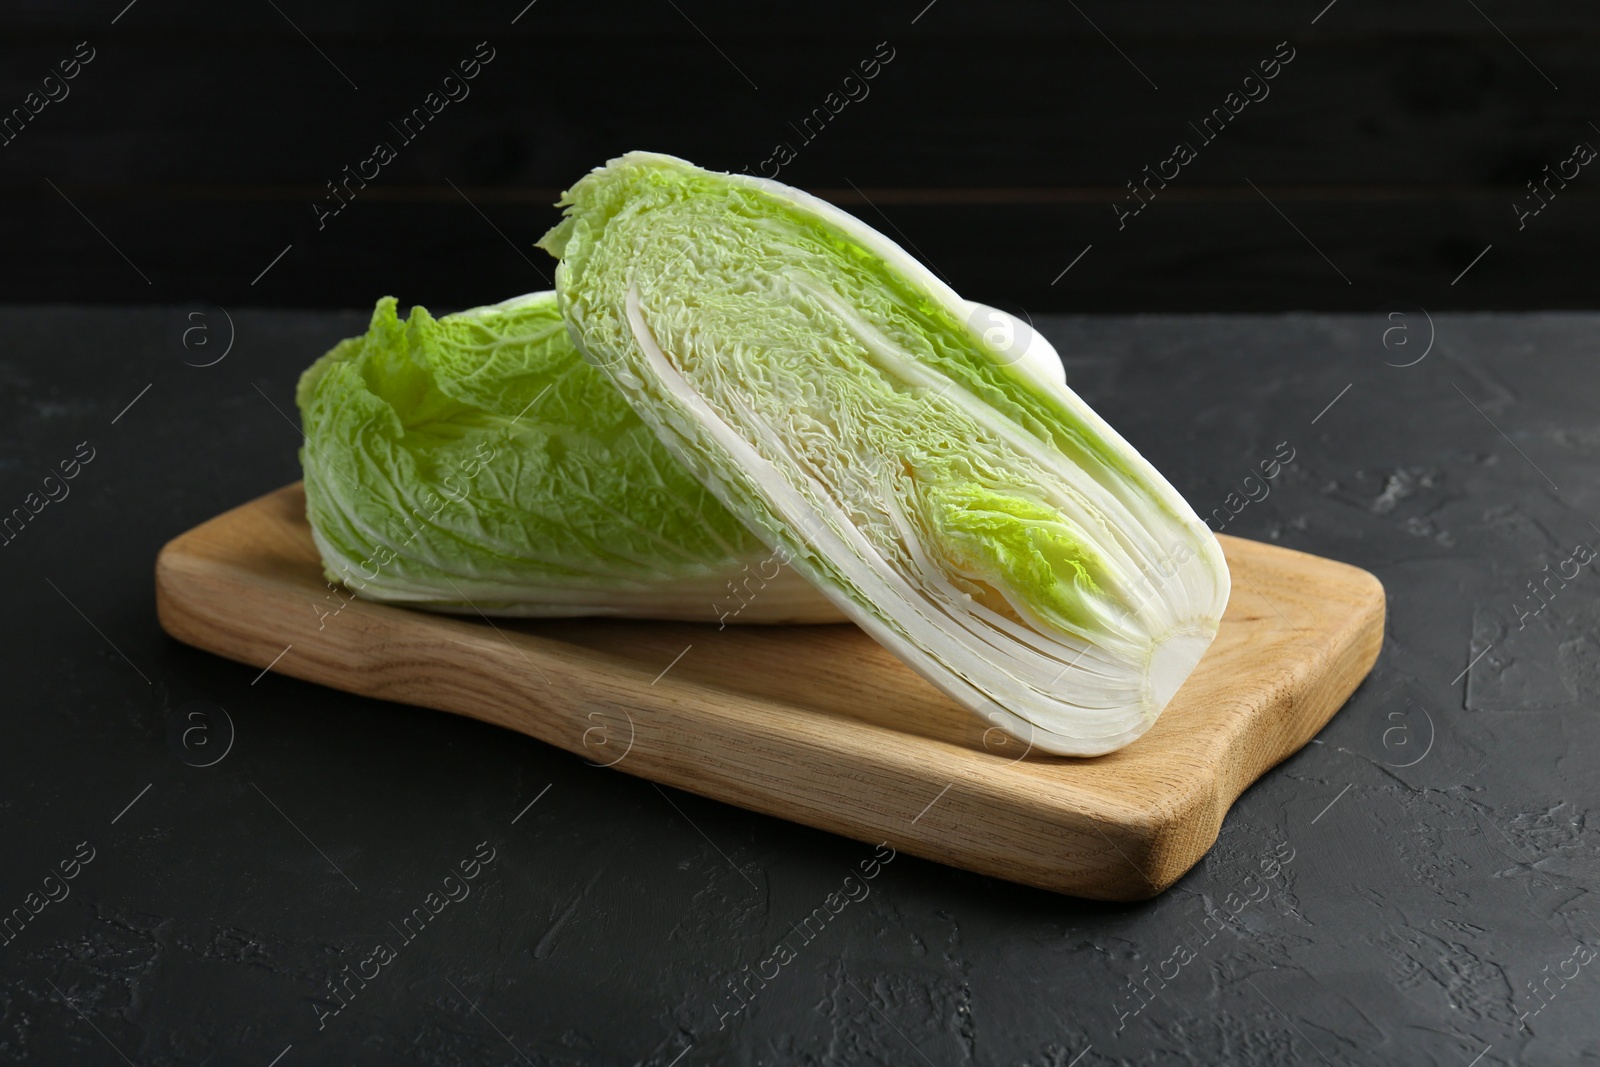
(288, 882)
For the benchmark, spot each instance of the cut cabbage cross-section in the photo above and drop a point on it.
(965, 508)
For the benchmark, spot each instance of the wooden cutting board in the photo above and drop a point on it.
(816, 724)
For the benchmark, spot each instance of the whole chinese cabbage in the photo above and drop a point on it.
(966, 510)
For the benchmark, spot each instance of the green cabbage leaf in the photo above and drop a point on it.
(475, 463)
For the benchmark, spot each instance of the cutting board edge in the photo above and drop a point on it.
(1185, 837)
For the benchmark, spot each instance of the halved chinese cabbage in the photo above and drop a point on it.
(475, 462)
(966, 510)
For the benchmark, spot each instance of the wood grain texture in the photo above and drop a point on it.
(816, 724)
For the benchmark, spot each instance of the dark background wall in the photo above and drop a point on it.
(1392, 150)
